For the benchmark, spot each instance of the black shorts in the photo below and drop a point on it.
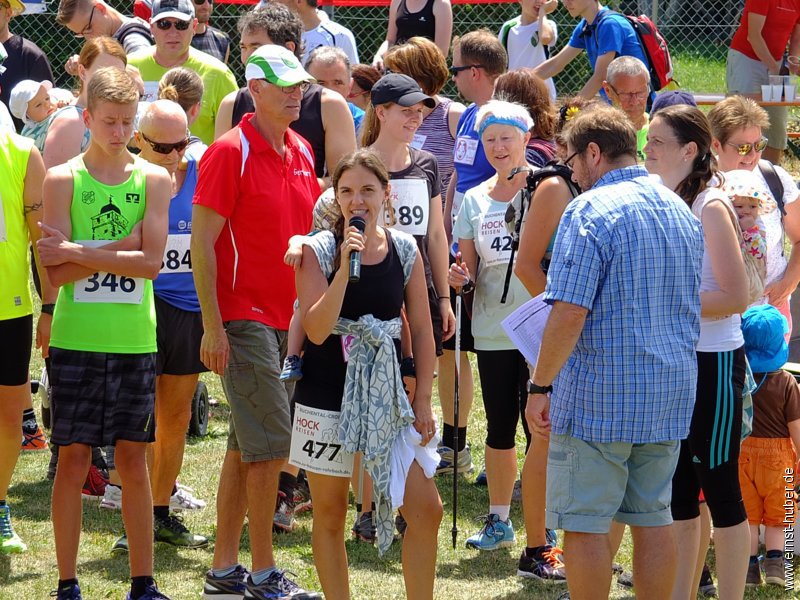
(178, 334)
(436, 320)
(15, 350)
(99, 398)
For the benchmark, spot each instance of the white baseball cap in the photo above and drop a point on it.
(22, 93)
(277, 65)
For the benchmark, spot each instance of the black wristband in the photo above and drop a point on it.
(47, 309)
(407, 367)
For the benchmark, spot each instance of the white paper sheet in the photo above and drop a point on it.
(525, 326)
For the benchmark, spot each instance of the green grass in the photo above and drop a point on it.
(461, 573)
(697, 73)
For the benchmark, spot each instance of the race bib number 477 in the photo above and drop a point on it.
(315, 443)
(108, 287)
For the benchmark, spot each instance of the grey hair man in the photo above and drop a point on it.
(627, 85)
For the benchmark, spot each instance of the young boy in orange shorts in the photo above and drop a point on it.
(768, 460)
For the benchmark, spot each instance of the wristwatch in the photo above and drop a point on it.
(538, 389)
(48, 309)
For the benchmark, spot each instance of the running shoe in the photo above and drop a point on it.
(464, 463)
(400, 525)
(94, 488)
(774, 571)
(112, 498)
(302, 497)
(364, 529)
(71, 592)
(120, 546)
(184, 499)
(516, 495)
(292, 368)
(552, 539)
(230, 587)
(754, 572)
(493, 535)
(625, 579)
(707, 587)
(151, 593)
(52, 466)
(278, 587)
(10, 542)
(34, 442)
(283, 521)
(172, 531)
(481, 478)
(545, 565)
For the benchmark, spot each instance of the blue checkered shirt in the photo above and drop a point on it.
(630, 251)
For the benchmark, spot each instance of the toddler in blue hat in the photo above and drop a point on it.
(768, 460)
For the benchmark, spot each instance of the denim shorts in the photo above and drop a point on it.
(260, 425)
(589, 484)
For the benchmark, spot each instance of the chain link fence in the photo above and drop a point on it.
(694, 29)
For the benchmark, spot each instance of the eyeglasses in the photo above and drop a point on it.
(88, 28)
(568, 162)
(357, 94)
(290, 89)
(166, 25)
(456, 70)
(630, 95)
(163, 148)
(744, 149)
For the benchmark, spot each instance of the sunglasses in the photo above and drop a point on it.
(166, 25)
(201, 2)
(456, 70)
(744, 149)
(162, 148)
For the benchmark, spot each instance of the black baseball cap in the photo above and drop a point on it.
(400, 89)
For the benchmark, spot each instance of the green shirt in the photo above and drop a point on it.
(105, 312)
(218, 82)
(641, 138)
(15, 268)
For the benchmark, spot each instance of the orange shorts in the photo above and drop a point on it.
(763, 464)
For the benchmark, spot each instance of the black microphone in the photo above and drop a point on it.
(355, 257)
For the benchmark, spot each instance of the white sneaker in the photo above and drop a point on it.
(112, 499)
(183, 499)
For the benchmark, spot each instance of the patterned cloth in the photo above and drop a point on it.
(630, 251)
(375, 407)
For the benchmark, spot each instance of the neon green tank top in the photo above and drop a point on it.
(105, 312)
(15, 268)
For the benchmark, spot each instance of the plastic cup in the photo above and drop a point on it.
(766, 93)
(776, 79)
(777, 92)
(789, 91)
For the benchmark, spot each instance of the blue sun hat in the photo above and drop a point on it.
(764, 329)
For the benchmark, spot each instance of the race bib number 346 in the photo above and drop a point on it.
(315, 443)
(108, 287)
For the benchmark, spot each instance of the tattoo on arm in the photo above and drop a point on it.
(27, 209)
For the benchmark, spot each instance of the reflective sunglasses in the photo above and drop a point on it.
(163, 148)
(744, 149)
(456, 70)
(165, 25)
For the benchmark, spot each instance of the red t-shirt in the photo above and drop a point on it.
(782, 16)
(266, 200)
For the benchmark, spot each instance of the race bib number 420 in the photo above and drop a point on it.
(315, 443)
(108, 287)
(177, 254)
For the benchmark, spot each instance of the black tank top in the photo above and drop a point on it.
(421, 23)
(309, 125)
(380, 292)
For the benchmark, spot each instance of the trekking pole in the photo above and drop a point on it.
(454, 530)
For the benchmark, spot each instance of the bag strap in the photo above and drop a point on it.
(774, 182)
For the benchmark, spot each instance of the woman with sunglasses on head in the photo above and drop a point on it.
(737, 127)
(67, 136)
(356, 387)
(678, 150)
(362, 78)
(504, 130)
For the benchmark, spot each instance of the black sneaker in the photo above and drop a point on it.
(278, 586)
(230, 586)
(544, 566)
(364, 529)
(172, 531)
(72, 592)
(707, 587)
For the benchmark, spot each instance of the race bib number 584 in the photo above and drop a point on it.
(108, 287)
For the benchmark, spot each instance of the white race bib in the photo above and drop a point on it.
(107, 287)
(3, 232)
(315, 443)
(177, 254)
(465, 150)
(418, 141)
(494, 241)
(150, 91)
(411, 204)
